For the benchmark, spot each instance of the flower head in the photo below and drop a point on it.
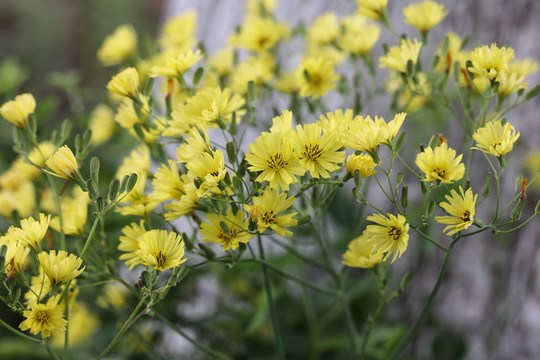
(359, 35)
(63, 164)
(161, 250)
(373, 9)
(397, 57)
(389, 236)
(210, 168)
(461, 207)
(363, 163)
(360, 253)
(32, 232)
(495, 138)
(316, 76)
(118, 46)
(424, 15)
(125, 83)
(318, 152)
(259, 34)
(46, 319)
(440, 164)
(102, 124)
(489, 62)
(129, 243)
(266, 209)
(177, 65)
(275, 158)
(16, 111)
(60, 267)
(232, 235)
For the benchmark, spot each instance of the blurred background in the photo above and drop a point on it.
(489, 304)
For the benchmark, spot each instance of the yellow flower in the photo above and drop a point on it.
(16, 252)
(114, 295)
(39, 288)
(254, 7)
(363, 163)
(359, 35)
(213, 104)
(389, 236)
(16, 194)
(221, 62)
(523, 67)
(30, 168)
(275, 158)
(102, 124)
(495, 139)
(359, 253)
(63, 164)
(461, 207)
(373, 9)
(129, 243)
(257, 69)
(46, 319)
(82, 325)
(210, 168)
(179, 32)
(59, 267)
(74, 213)
(125, 83)
(17, 111)
(259, 34)
(509, 83)
(32, 232)
(167, 182)
(338, 123)
(424, 15)
(390, 130)
(212, 231)
(316, 76)
(187, 203)
(397, 57)
(324, 30)
(176, 65)
(440, 164)
(118, 46)
(197, 142)
(318, 152)
(161, 250)
(489, 62)
(266, 209)
(282, 124)
(365, 135)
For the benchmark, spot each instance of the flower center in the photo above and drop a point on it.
(161, 257)
(42, 317)
(276, 162)
(268, 217)
(312, 151)
(440, 172)
(315, 79)
(394, 233)
(466, 216)
(227, 237)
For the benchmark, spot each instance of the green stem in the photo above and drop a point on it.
(425, 311)
(90, 236)
(280, 352)
(517, 227)
(51, 352)
(18, 333)
(351, 328)
(126, 325)
(195, 343)
(429, 239)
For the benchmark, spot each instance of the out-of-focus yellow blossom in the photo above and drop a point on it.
(495, 138)
(16, 194)
(82, 326)
(212, 231)
(114, 295)
(462, 207)
(31, 168)
(316, 76)
(397, 57)
(63, 164)
(453, 54)
(359, 35)
(390, 235)
(424, 15)
(338, 122)
(373, 9)
(325, 29)
(16, 254)
(523, 67)
(129, 243)
(187, 203)
(39, 289)
(440, 164)
(255, 7)
(176, 65)
(532, 164)
(197, 142)
(212, 104)
(16, 111)
(510, 83)
(406, 96)
(60, 267)
(46, 319)
(137, 162)
(101, 124)
(259, 34)
(210, 168)
(363, 163)
(74, 213)
(359, 253)
(275, 159)
(118, 46)
(127, 116)
(288, 83)
(257, 69)
(161, 250)
(125, 83)
(266, 209)
(179, 32)
(138, 204)
(31, 232)
(221, 62)
(318, 152)
(489, 62)
(330, 52)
